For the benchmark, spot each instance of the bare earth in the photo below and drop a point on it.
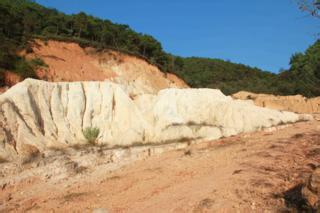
(249, 172)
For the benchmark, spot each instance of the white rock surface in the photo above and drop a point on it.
(41, 114)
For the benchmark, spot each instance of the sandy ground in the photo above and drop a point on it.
(250, 172)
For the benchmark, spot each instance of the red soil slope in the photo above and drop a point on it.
(69, 62)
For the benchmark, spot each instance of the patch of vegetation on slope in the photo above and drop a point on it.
(227, 76)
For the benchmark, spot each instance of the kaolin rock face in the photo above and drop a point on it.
(43, 114)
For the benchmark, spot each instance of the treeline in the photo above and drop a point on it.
(228, 77)
(23, 20)
(303, 76)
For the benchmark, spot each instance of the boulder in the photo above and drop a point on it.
(311, 190)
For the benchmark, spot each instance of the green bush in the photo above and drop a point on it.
(24, 69)
(38, 62)
(91, 134)
(2, 81)
(29, 49)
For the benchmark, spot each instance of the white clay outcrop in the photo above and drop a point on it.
(40, 114)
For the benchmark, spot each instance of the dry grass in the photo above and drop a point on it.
(3, 160)
(75, 168)
(73, 196)
(204, 205)
(29, 154)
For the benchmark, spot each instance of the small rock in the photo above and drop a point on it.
(310, 197)
(4, 186)
(48, 176)
(100, 210)
(314, 181)
(311, 190)
(9, 197)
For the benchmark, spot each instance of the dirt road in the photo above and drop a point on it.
(249, 172)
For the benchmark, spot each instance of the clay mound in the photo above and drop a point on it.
(296, 103)
(36, 115)
(70, 62)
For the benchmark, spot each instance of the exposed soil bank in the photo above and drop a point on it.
(293, 103)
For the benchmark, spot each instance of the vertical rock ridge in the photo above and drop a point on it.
(51, 115)
(8, 137)
(16, 110)
(85, 103)
(37, 112)
(113, 105)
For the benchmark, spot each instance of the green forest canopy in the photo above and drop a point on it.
(23, 20)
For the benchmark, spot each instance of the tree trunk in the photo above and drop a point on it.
(80, 30)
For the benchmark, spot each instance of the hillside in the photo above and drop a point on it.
(226, 76)
(23, 20)
(67, 61)
(303, 76)
(95, 117)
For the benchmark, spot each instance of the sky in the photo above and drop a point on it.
(259, 33)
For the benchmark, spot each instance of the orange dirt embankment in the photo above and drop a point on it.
(296, 103)
(69, 62)
(10, 79)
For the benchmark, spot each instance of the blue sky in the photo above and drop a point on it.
(255, 32)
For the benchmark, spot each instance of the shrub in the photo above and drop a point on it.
(29, 49)
(38, 62)
(91, 134)
(2, 80)
(24, 69)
